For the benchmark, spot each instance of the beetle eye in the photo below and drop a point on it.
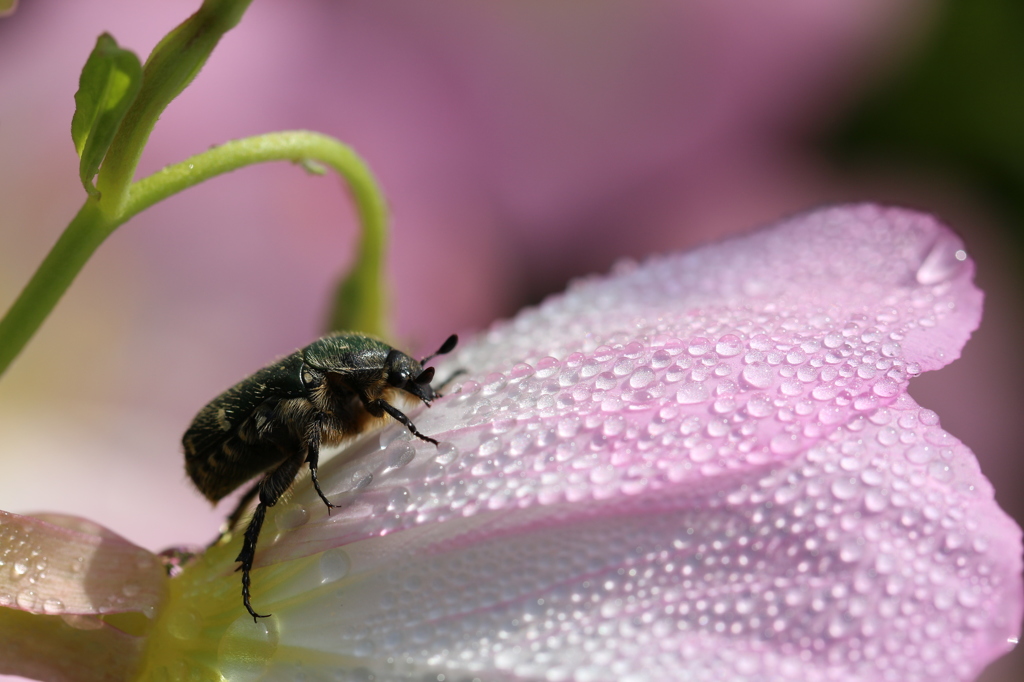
(426, 376)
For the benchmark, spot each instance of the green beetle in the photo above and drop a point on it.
(277, 419)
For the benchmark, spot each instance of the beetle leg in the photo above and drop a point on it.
(313, 458)
(381, 404)
(273, 485)
(248, 553)
(236, 515)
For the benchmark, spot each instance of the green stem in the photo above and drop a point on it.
(361, 302)
(76, 245)
(171, 66)
(366, 312)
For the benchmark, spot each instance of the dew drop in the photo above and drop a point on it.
(760, 406)
(399, 455)
(865, 403)
(885, 388)
(920, 454)
(547, 367)
(729, 346)
(185, 624)
(690, 425)
(359, 480)
(26, 600)
(791, 388)
(851, 551)
(334, 565)
(871, 477)
(520, 370)
(568, 427)
(53, 606)
(796, 357)
(702, 452)
(661, 359)
(968, 598)
(844, 488)
(389, 436)
(699, 346)
(493, 383)
(246, 648)
(445, 453)
(875, 501)
(888, 436)
(724, 405)
(691, 393)
(943, 261)
(292, 517)
(641, 378)
(398, 499)
(785, 444)
(623, 367)
(758, 375)
(718, 428)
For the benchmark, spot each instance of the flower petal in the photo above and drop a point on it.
(707, 463)
(64, 565)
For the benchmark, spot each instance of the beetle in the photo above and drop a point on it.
(276, 420)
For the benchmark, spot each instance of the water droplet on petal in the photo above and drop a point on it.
(27, 600)
(785, 444)
(728, 346)
(875, 501)
(699, 346)
(885, 388)
(399, 455)
(520, 370)
(844, 488)
(943, 262)
(692, 392)
(760, 406)
(920, 454)
(246, 648)
(334, 565)
(185, 624)
(360, 479)
(445, 453)
(292, 517)
(641, 378)
(758, 375)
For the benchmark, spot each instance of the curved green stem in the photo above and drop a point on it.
(366, 309)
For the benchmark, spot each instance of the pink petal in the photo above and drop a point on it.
(57, 564)
(707, 463)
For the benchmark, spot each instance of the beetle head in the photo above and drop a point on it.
(405, 373)
(408, 375)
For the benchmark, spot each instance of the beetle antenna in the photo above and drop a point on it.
(446, 347)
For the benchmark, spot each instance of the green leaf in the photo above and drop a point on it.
(109, 83)
(7, 7)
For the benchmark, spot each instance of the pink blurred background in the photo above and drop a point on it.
(520, 143)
